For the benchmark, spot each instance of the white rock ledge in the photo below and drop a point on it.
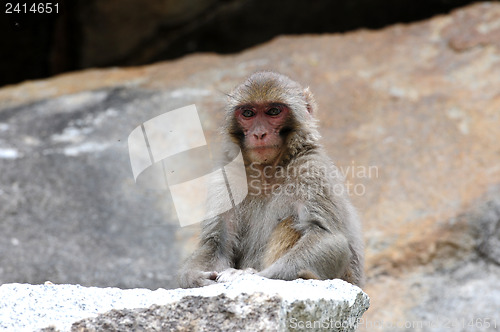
(249, 304)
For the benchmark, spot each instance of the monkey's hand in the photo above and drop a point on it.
(196, 278)
(231, 274)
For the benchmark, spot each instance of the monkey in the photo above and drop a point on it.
(297, 220)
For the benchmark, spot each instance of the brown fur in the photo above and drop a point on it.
(282, 239)
(304, 274)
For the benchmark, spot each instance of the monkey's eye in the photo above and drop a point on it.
(273, 111)
(248, 113)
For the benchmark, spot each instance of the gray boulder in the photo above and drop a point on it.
(251, 303)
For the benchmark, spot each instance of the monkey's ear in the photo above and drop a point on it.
(310, 102)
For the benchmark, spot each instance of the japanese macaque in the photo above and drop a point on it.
(297, 220)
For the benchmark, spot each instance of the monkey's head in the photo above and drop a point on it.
(271, 118)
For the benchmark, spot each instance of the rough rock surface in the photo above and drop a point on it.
(249, 304)
(420, 102)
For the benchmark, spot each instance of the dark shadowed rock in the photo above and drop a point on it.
(83, 34)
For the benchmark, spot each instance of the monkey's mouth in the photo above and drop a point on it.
(264, 147)
(267, 147)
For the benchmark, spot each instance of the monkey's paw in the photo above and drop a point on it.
(195, 278)
(233, 274)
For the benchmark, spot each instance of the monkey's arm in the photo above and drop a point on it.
(201, 269)
(320, 251)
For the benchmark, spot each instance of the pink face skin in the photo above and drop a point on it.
(261, 124)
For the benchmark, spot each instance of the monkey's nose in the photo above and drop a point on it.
(260, 136)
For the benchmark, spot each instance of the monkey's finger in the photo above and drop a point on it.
(210, 275)
(249, 270)
(227, 275)
(231, 274)
(206, 282)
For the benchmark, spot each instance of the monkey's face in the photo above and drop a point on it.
(263, 126)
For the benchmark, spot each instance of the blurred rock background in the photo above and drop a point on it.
(417, 103)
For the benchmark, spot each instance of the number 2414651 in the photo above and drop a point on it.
(33, 8)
